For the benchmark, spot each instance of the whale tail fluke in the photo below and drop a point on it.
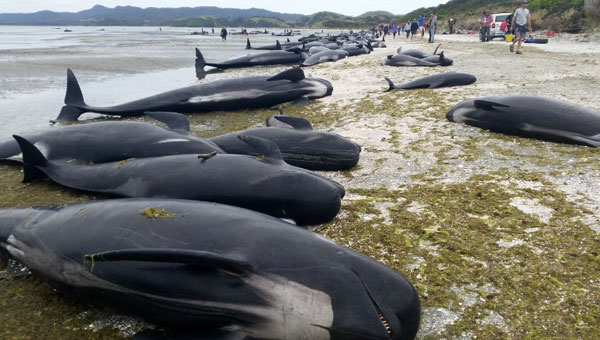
(32, 158)
(390, 83)
(200, 62)
(74, 102)
(248, 46)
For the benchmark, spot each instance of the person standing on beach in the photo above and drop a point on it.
(414, 27)
(422, 24)
(223, 34)
(451, 24)
(486, 23)
(407, 29)
(432, 27)
(394, 29)
(521, 22)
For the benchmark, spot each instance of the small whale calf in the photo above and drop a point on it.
(533, 117)
(201, 267)
(435, 81)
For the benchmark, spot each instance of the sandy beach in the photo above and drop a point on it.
(499, 234)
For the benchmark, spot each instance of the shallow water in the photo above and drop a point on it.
(113, 65)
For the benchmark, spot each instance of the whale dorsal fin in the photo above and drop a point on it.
(294, 74)
(176, 122)
(165, 255)
(267, 150)
(277, 45)
(296, 123)
(32, 158)
(435, 51)
(486, 104)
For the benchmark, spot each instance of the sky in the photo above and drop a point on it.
(352, 7)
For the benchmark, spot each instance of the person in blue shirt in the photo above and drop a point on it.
(422, 24)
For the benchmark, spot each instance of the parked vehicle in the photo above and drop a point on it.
(495, 31)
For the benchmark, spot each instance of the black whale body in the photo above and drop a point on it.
(534, 117)
(284, 57)
(436, 81)
(223, 95)
(210, 266)
(265, 183)
(307, 149)
(101, 142)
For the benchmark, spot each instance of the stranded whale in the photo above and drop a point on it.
(533, 117)
(223, 95)
(435, 81)
(264, 183)
(204, 266)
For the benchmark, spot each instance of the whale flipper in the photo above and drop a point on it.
(32, 158)
(183, 256)
(266, 149)
(295, 123)
(294, 74)
(176, 122)
(435, 51)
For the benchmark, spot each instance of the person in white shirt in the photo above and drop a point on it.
(521, 22)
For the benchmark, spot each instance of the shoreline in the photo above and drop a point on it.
(498, 233)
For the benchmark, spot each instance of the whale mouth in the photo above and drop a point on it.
(384, 321)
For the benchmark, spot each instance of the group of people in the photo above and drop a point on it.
(518, 23)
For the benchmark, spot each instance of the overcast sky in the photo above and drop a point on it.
(352, 7)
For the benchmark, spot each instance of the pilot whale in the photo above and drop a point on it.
(112, 141)
(264, 183)
(285, 57)
(298, 143)
(198, 266)
(435, 81)
(534, 117)
(222, 95)
(275, 47)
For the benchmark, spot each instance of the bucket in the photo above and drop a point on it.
(509, 37)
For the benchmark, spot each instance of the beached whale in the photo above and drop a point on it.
(263, 183)
(285, 57)
(533, 117)
(201, 267)
(435, 81)
(417, 53)
(299, 145)
(223, 95)
(406, 60)
(112, 141)
(275, 47)
(325, 56)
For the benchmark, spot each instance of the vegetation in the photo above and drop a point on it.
(558, 15)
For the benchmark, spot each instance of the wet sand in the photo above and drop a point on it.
(499, 234)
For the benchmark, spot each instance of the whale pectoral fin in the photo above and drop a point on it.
(484, 104)
(183, 256)
(300, 101)
(32, 157)
(176, 122)
(266, 149)
(294, 74)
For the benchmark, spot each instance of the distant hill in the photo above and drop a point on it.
(135, 16)
(559, 15)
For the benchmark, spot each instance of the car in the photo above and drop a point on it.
(495, 31)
